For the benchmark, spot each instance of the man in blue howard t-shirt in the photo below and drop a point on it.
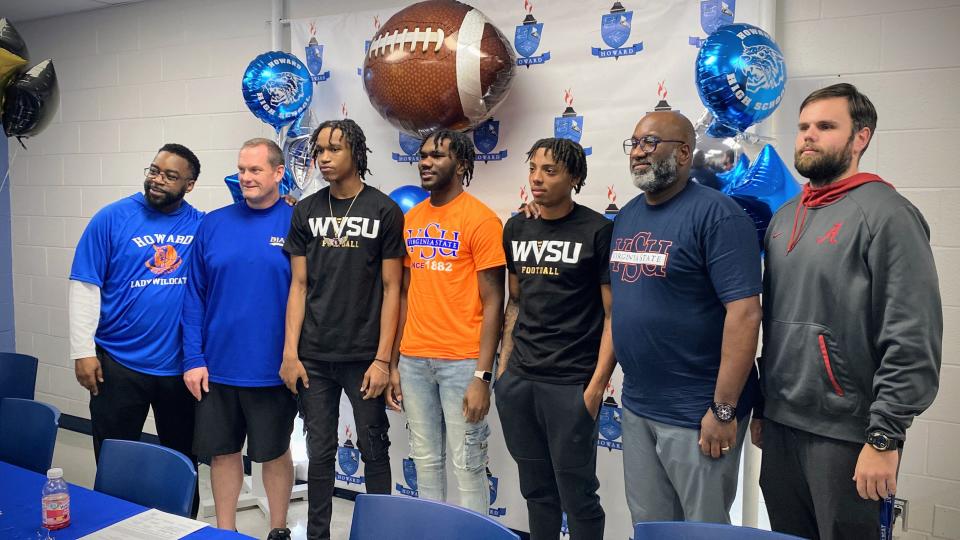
(233, 331)
(126, 292)
(685, 277)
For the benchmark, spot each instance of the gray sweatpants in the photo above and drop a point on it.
(668, 479)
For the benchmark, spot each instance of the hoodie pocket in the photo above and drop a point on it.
(804, 366)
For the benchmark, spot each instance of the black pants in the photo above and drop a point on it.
(119, 410)
(808, 488)
(553, 439)
(320, 408)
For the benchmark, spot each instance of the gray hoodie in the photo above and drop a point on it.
(852, 322)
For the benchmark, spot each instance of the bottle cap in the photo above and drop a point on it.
(56, 472)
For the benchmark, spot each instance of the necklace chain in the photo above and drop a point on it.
(338, 240)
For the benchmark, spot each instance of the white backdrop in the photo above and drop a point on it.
(610, 93)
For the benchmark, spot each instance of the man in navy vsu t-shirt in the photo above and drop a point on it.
(126, 293)
(685, 277)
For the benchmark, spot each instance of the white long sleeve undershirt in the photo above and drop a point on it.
(84, 308)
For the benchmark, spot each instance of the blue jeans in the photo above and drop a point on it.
(433, 393)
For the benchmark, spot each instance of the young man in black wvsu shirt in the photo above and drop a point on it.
(346, 260)
(557, 353)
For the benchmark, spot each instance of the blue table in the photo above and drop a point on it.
(89, 510)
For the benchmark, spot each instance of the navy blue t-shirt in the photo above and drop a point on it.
(673, 266)
(236, 300)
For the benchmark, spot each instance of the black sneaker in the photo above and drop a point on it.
(279, 534)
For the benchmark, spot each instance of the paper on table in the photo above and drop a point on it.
(150, 525)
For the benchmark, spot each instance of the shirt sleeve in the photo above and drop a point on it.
(487, 244)
(507, 238)
(732, 256)
(601, 244)
(392, 246)
(299, 234)
(194, 304)
(91, 260)
(84, 316)
(908, 316)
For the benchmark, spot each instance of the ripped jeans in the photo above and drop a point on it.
(433, 391)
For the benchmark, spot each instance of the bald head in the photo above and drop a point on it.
(670, 125)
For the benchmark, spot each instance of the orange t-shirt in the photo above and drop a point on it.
(446, 247)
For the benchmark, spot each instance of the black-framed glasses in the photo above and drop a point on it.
(154, 173)
(647, 143)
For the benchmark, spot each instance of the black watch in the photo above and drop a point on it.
(724, 412)
(882, 442)
(484, 376)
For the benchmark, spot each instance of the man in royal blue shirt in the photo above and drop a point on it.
(685, 277)
(233, 317)
(126, 292)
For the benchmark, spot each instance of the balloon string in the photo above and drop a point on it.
(9, 166)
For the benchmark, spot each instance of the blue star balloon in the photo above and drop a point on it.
(276, 88)
(741, 76)
(765, 187)
(409, 196)
(734, 176)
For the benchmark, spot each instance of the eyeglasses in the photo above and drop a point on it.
(154, 173)
(647, 144)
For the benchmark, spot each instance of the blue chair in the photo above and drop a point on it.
(18, 375)
(147, 474)
(394, 517)
(28, 433)
(689, 530)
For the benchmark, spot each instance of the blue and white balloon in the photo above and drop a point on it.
(741, 76)
(276, 88)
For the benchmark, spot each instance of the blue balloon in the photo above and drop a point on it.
(233, 184)
(767, 185)
(741, 76)
(409, 196)
(734, 176)
(277, 88)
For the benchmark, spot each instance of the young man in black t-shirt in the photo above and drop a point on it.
(346, 257)
(557, 353)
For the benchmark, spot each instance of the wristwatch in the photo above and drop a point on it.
(882, 442)
(724, 412)
(484, 376)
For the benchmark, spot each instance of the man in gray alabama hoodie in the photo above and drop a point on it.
(852, 330)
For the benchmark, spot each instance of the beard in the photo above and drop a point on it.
(165, 200)
(824, 166)
(659, 176)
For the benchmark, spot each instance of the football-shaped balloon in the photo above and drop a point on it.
(438, 64)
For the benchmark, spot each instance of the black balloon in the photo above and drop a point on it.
(31, 101)
(10, 40)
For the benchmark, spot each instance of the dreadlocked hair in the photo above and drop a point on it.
(355, 138)
(461, 147)
(567, 152)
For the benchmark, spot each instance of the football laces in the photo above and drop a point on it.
(386, 43)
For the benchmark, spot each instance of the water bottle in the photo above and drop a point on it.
(56, 501)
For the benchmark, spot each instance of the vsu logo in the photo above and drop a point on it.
(550, 251)
(713, 15)
(493, 482)
(314, 54)
(348, 459)
(611, 422)
(526, 39)
(569, 125)
(615, 30)
(485, 138)
(641, 255)
(411, 149)
(433, 241)
(410, 477)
